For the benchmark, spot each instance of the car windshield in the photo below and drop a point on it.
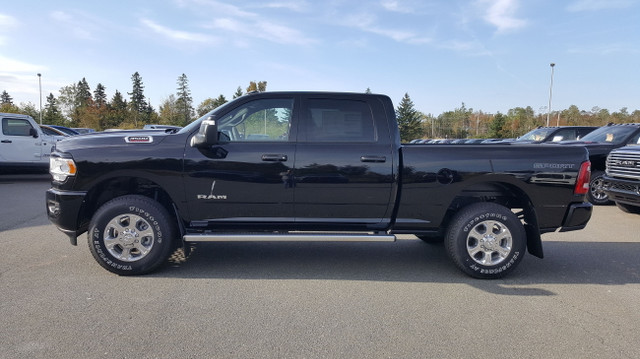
(538, 134)
(610, 134)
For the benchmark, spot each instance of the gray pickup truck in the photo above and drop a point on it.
(622, 180)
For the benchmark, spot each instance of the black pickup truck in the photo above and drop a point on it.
(306, 166)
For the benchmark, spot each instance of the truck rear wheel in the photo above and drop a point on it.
(131, 235)
(486, 240)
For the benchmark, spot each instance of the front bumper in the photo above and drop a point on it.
(622, 190)
(63, 210)
(578, 215)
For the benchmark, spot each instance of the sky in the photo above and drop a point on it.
(491, 55)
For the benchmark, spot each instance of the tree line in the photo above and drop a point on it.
(78, 106)
(464, 122)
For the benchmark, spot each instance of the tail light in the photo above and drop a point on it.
(584, 176)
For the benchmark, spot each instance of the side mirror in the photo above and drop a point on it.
(207, 136)
(33, 133)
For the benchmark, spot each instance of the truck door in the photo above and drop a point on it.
(247, 177)
(344, 164)
(21, 142)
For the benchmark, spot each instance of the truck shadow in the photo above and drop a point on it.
(605, 263)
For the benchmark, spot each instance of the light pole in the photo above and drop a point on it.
(550, 92)
(40, 86)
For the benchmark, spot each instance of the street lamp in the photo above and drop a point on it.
(40, 86)
(550, 92)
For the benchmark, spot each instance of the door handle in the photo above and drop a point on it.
(6, 141)
(274, 157)
(377, 159)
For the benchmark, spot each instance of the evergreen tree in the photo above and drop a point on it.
(5, 99)
(184, 100)
(83, 93)
(408, 120)
(138, 104)
(496, 127)
(100, 96)
(52, 114)
(6, 103)
(367, 91)
(117, 112)
(238, 93)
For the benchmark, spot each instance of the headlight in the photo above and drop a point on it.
(61, 168)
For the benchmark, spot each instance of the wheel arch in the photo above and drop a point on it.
(115, 187)
(508, 195)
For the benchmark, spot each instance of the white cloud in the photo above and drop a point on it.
(367, 22)
(261, 29)
(501, 14)
(281, 34)
(395, 6)
(295, 6)
(597, 5)
(11, 65)
(81, 28)
(7, 21)
(176, 35)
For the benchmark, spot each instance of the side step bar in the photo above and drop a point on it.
(289, 237)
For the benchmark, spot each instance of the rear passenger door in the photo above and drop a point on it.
(344, 164)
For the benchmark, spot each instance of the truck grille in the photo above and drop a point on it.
(625, 164)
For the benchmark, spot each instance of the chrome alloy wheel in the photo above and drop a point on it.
(128, 237)
(597, 189)
(489, 243)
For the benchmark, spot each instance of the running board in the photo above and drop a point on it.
(289, 237)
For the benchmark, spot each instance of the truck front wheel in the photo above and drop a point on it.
(131, 235)
(486, 240)
(596, 194)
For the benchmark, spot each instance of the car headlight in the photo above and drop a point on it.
(61, 168)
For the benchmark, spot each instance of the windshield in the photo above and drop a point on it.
(610, 134)
(538, 134)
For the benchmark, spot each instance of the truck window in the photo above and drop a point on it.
(259, 120)
(568, 134)
(15, 127)
(333, 120)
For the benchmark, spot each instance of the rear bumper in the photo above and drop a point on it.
(622, 190)
(63, 210)
(578, 215)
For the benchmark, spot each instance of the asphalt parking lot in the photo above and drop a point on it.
(314, 300)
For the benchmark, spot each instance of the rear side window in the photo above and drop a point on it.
(15, 127)
(334, 120)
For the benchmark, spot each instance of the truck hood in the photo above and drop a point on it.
(124, 139)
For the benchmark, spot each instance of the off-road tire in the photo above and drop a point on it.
(486, 240)
(131, 235)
